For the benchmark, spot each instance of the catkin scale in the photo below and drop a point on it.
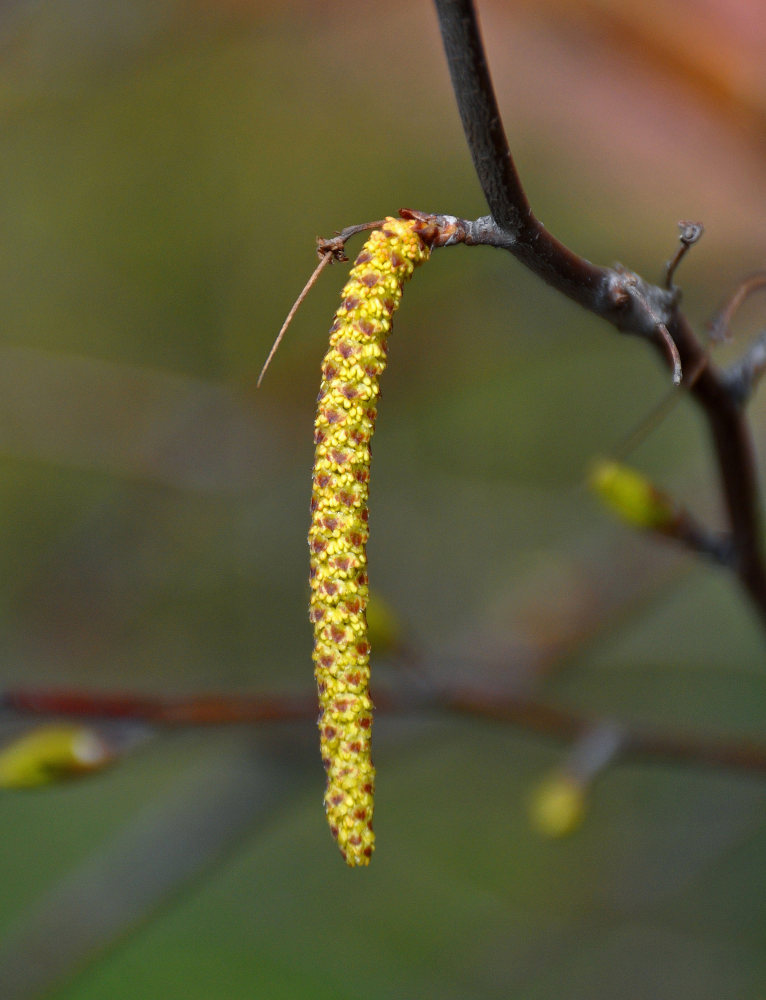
(345, 421)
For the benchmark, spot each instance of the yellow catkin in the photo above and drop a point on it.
(345, 421)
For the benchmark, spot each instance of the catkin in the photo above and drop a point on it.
(345, 421)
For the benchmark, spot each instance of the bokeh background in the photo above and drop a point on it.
(164, 169)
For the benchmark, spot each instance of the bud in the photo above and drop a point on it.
(632, 497)
(557, 806)
(52, 753)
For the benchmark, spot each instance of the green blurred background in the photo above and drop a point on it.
(164, 169)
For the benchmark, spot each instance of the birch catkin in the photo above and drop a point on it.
(345, 421)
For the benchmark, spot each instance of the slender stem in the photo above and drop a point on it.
(324, 261)
(560, 723)
(690, 233)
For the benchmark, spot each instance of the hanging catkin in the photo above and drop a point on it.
(345, 421)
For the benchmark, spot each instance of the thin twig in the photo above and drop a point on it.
(328, 250)
(672, 352)
(690, 233)
(696, 538)
(719, 326)
(325, 260)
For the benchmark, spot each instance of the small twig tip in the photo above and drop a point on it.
(327, 256)
(689, 233)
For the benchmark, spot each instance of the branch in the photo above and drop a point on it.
(480, 115)
(484, 702)
(651, 744)
(618, 296)
(197, 710)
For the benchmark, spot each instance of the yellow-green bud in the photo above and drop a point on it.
(632, 497)
(51, 753)
(557, 806)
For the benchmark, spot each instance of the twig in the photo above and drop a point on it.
(548, 721)
(328, 250)
(672, 351)
(689, 234)
(719, 326)
(197, 710)
(563, 724)
(480, 115)
(295, 306)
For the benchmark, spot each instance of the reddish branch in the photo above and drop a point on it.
(622, 298)
(198, 710)
(548, 721)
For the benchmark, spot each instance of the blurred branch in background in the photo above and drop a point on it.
(427, 694)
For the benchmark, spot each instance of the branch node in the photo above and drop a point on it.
(644, 309)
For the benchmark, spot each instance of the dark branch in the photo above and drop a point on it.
(480, 115)
(620, 297)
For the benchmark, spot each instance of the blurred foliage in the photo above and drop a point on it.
(165, 167)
